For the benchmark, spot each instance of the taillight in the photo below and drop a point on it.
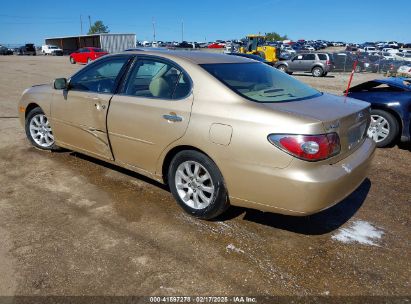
(308, 147)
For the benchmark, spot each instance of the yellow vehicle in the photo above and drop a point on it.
(255, 45)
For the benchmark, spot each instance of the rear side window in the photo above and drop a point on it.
(322, 57)
(153, 78)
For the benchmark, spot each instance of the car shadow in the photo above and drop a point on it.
(316, 224)
(310, 75)
(120, 170)
(404, 146)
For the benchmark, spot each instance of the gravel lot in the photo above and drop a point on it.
(71, 225)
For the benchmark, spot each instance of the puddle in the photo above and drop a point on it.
(359, 232)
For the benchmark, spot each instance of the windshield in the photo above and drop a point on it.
(260, 82)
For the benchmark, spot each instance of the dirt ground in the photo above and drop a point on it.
(71, 225)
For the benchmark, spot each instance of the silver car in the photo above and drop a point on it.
(319, 64)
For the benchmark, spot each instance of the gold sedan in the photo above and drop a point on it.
(217, 129)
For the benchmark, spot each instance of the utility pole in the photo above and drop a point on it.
(182, 30)
(154, 30)
(81, 25)
(89, 22)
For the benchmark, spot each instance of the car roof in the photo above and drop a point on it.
(400, 82)
(197, 57)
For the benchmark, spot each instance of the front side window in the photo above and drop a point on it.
(157, 79)
(99, 77)
(260, 82)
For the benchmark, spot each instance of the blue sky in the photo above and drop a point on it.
(348, 20)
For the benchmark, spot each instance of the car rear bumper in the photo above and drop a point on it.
(305, 188)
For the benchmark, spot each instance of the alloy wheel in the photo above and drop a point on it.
(379, 128)
(40, 131)
(194, 185)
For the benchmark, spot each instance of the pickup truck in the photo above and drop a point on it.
(369, 50)
(51, 50)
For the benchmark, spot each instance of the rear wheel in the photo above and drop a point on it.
(384, 128)
(197, 185)
(72, 61)
(317, 72)
(38, 130)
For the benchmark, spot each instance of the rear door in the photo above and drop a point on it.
(79, 114)
(308, 62)
(151, 111)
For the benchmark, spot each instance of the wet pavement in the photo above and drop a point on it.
(72, 225)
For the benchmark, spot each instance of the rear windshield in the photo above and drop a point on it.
(260, 82)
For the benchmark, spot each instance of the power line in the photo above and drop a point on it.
(34, 17)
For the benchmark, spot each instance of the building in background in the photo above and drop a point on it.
(112, 43)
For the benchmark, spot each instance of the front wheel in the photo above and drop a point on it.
(384, 128)
(38, 130)
(282, 68)
(197, 184)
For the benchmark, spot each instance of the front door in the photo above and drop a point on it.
(295, 64)
(79, 113)
(152, 111)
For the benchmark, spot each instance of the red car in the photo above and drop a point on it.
(216, 45)
(86, 55)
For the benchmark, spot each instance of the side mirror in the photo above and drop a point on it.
(60, 84)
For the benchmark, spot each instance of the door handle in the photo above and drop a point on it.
(173, 117)
(100, 106)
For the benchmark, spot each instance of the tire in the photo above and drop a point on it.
(325, 74)
(38, 130)
(89, 60)
(184, 178)
(384, 128)
(282, 68)
(317, 71)
(72, 61)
